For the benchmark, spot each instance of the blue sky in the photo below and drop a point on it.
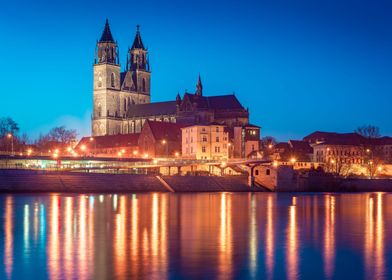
(299, 66)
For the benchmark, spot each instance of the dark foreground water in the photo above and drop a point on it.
(196, 236)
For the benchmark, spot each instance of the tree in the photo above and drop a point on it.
(62, 135)
(372, 153)
(8, 125)
(368, 131)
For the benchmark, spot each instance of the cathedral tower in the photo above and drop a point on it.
(106, 85)
(138, 63)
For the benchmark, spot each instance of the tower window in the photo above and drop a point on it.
(144, 85)
(112, 80)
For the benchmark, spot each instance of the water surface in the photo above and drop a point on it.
(196, 236)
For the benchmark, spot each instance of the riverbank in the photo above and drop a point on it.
(12, 181)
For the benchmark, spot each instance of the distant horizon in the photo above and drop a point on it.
(299, 67)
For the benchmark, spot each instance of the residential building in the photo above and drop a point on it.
(246, 140)
(205, 142)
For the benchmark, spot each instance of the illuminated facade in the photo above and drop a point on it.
(122, 99)
(205, 142)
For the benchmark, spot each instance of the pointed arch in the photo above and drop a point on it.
(112, 80)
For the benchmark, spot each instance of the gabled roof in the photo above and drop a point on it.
(301, 146)
(334, 138)
(165, 130)
(152, 109)
(109, 141)
(138, 43)
(217, 103)
(106, 34)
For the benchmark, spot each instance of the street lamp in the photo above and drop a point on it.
(10, 136)
(164, 142)
(92, 139)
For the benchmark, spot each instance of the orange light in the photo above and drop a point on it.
(155, 161)
(275, 163)
(9, 135)
(83, 147)
(177, 154)
(123, 151)
(379, 168)
(91, 139)
(56, 151)
(270, 146)
(55, 155)
(119, 154)
(69, 149)
(164, 141)
(293, 160)
(29, 151)
(145, 155)
(135, 153)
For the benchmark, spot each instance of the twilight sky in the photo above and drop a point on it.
(299, 66)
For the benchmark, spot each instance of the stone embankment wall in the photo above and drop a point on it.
(40, 181)
(285, 179)
(209, 183)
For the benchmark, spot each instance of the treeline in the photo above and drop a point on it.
(12, 140)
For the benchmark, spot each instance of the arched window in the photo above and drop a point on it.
(112, 80)
(99, 111)
(144, 85)
(125, 104)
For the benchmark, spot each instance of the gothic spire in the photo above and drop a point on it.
(106, 34)
(199, 87)
(138, 43)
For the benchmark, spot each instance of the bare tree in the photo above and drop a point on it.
(62, 135)
(372, 153)
(368, 131)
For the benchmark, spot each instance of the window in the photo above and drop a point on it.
(267, 172)
(217, 129)
(204, 138)
(256, 172)
(191, 150)
(217, 139)
(112, 80)
(144, 85)
(203, 149)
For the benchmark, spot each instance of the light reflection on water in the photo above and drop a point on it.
(193, 236)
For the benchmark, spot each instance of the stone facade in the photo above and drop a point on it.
(121, 99)
(205, 142)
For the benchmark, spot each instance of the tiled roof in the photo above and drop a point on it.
(152, 109)
(301, 146)
(165, 130)
(109, 141)
(334, 138)
(107, 34)
(217, 103)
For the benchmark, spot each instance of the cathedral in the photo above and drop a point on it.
(122, 99)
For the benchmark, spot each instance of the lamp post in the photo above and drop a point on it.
(10, 136)
(92, 139)
(164, 142)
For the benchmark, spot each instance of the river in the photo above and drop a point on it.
(196, 236)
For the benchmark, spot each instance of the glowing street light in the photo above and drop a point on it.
(163, 141)
(176, 154)
(275, 163)
(145, 156)
(55, 155)
(29, 151)
(135, 152)
(123, 151)
(119, 154)
(10, 136)
(155, 161)
(270, 146)
(293, 160)
(83, 147)
(379, 168)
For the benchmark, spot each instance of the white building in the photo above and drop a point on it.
(205, 142)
